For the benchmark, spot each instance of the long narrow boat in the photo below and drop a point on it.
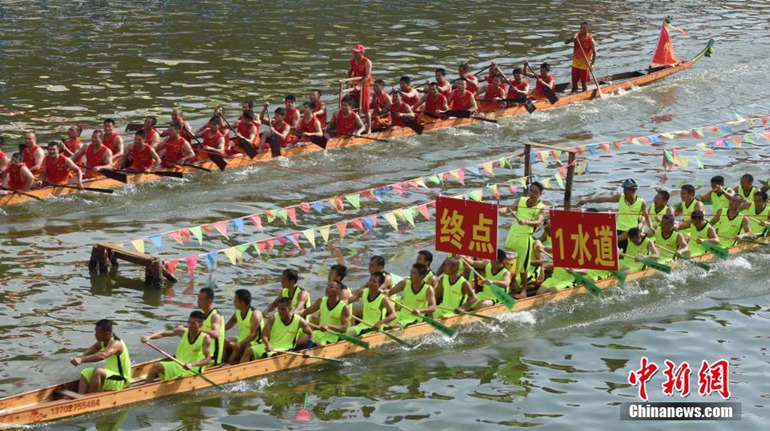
(61, 401)
(608, 84)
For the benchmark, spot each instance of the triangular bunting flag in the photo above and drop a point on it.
(192, 262)
(495, 191)
(421, 183)
(138, 245)
(324, 231)
(176, 236)
(294, 239)
(292, 213)
(358, 224)
(341, 228)
(489, 168)
(391, 218)
(724, 128)
(283, 215)
(305, 207)
(197, 233)
(221, 227)
(697, 134)
(337, 203)
(243, 248)
(158, 241)
(256, 220)
(699, 162)
(434, 179)
(207, 228)
(368, 194)
(238, 223)
(310, 236)
(354, 199)
(282, 240)
(423, 210)
(605, 146)
(171, 265)
(399, 189)
(409, 215)
(399, 213)
(211, 261)
(617, 144)
(270, 216)
(378, 193)
(477, 195)
(474, 170)
(667, 136)
(232, 254)
(559, 180)
(318, 206)
(368, 222)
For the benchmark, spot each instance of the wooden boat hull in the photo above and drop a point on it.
(41, 405)
(609, 84)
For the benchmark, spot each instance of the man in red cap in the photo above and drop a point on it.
(361, 67)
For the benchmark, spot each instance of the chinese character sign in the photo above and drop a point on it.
(466, 227)
(584, 240)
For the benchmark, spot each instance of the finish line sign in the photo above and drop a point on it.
(466, 227)
(584, 240)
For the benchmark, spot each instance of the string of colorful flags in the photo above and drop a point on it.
(409, 215)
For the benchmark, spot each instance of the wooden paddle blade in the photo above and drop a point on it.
(219, 161)
(99, 190)
(481, 316)
(458, 114)
(117, 176)
(133, 127)
(657, 265)
(502, 296)
(721, 252)
(588, 284)
(171, 174)
(275, 147)
(352, 340)
(303, 416)
(414, 125)
(529, 106)
(549, 93)
(321, 141)
(438, 325)
(397, 340)
(488, 120)
(247, 147)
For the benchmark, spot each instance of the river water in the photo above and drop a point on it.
(560, 365)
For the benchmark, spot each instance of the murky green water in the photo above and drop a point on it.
(558, 366)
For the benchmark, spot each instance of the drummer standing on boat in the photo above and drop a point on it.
(361, 67)
(583, 56)
(116, 374)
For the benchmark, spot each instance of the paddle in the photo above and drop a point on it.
(620, 276)
(427, 319)
(751, 241)
(171, 174)
(721, 252)
(216, 158)
(386, 333)
(411, 123)
(92, 189)
(588, 284)
(498, 291)
(461, 114)
(133, 127)
(687, 259)
(117, 176)
(481, 316)
(357, 136)
(652, 264)
(189, 165)
(198, 373)
(590, 69)
(549, 94)
(22, 193)
(321, 141)
(303, 415)
(343, 336)
(323, 358)
(244, 144)
(528, 105)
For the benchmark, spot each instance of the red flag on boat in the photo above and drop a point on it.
(664, 55)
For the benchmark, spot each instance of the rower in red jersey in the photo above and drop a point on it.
(278, 132)
(18, 177)
(98, 155)
(175, 150)
(292, 113)
(32, 154)
(177, 118)
(214, 140)
(409, 94)
(583, 56)
(361, 67)
(380, 101)
(433, 101)
(345, 121)
(444, 86)
(471, 82)
(462, 99)
(493, 93)
(151, 136)
(319, 108)
(309, 125)
(519, 88)
(493, 72)
(400, 110)
(72, 144)
(543, 79)
(112, 140)
(57, 167)
(142, 156)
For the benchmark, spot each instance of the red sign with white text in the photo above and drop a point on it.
(584, 240)
(466, 227)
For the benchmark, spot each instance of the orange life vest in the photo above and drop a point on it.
(56, 170)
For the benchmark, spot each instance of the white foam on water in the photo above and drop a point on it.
(735, 263)
(248, 386)
(525, 317)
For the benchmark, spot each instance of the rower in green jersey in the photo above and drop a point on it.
(333, 314)
(250, 325)
(425, 258)
(730, 222)
(377, 264)
(559, 278)
(494, 273)
(640, 247)
(660, 207)
(213, 323)
(283, 332)
(529, 213)
(719, 196)
(746, 188)
(689, 204)
(671, 244)
(454, 290)
(194, 350)
(417, 295)
(337, 273)
(632, 210)
(300, 298)
(700, 231)
(377, 311)
(759, 215)
(116, 373)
